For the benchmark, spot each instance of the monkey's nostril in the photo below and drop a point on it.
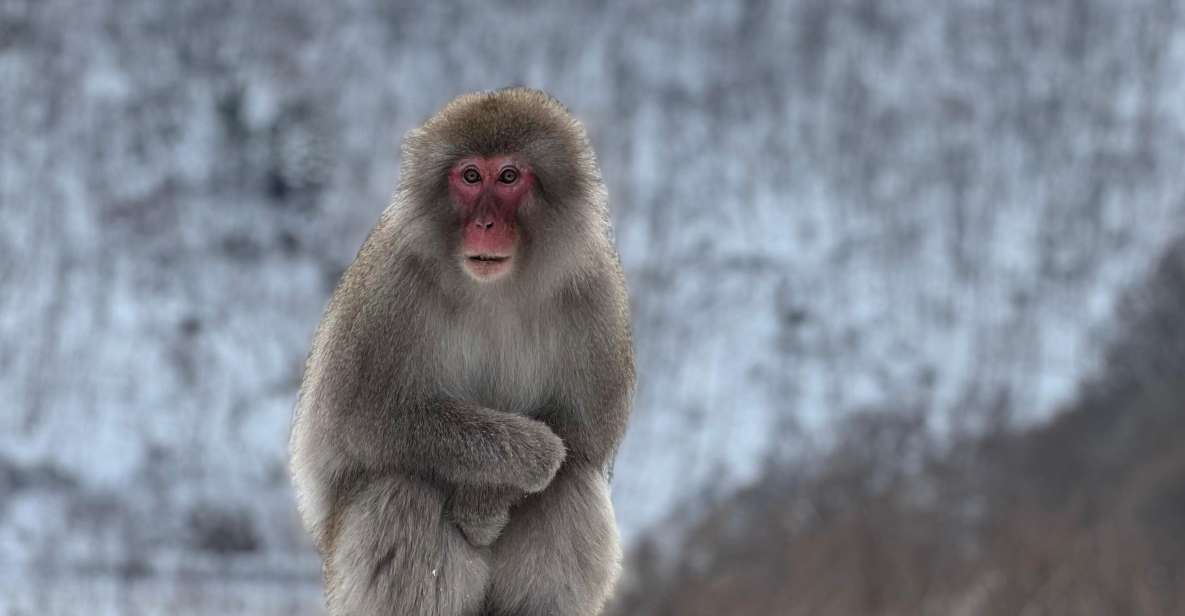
(483, 225)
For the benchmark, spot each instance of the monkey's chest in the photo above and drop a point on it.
(504, 365)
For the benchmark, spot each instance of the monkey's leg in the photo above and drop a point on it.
(559, 554)
(392, 552)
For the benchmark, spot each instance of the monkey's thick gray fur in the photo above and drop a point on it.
(451, 439)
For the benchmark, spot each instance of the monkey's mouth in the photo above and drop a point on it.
(488, 258)
(487, 266)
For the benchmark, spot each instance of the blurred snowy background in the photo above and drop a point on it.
(829, 212)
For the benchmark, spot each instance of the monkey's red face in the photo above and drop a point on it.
(488, 193)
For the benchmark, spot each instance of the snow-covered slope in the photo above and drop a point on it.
(821, 206)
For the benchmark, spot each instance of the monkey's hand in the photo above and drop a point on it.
(542, 453)
(481, 513)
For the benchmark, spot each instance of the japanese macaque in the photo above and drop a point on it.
(471, 378)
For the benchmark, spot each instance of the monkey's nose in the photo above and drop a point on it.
(484, 225)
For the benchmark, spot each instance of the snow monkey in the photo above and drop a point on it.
(471, 379)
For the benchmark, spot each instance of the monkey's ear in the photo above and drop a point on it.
(424, 164)
(413, 141)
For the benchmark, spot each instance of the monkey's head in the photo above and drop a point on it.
(505, 186)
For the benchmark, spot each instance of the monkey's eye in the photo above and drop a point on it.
(508, 176)
(471, 176)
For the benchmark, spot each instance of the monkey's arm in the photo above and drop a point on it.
(460, 443)
(591, 413)
(489, 459)
(591, 427)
